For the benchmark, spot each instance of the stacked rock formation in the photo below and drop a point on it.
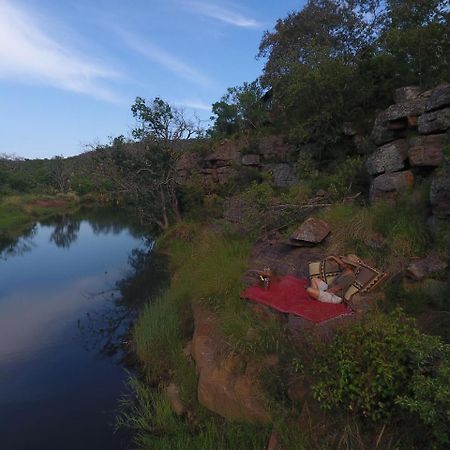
(269, 155)
(411, 137)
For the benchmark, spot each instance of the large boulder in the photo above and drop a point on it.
(283, 174)
(440, 97)
(273, 147)
(382, 133)
(421, 268)
(390, 186)
(435, 121)
(406, 94)
(440, 193)
(427, 150)
(414, 107)
(311, 231)
(226, 154)
(226, 385)
(388, 158)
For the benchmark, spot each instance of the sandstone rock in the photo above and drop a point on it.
(421, 268)
(226, 154)
(273, 147)
(173, 394)
(186, 164)
(363, 303)
(440, 97)
(440, 193)
(223, 386)
(388, 158)
(390, 185)
(311, 231)
(414, 106)
(406, 94)
(283, 175)
(435, 121)
(298, 327)
(427, 150)
(381, 133)
(225, 174)
(250, 160)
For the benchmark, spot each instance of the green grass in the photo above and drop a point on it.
(148, 414)
(19, 211)
(383, 234)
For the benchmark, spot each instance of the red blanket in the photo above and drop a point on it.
(289, 295)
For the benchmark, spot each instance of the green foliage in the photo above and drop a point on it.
(378, 366)
(335, 61)
(347, 177)
(429, 397)
(239, 109)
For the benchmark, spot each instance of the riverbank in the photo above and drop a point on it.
(18, 212)
(215, 366)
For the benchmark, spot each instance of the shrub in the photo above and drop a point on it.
(384, 366)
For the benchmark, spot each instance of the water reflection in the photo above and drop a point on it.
(14, 246)
(65, 232)
(107, 329)
(70, 288)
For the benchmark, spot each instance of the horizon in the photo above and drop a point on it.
(69, 72)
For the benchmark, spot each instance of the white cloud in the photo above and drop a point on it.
(162, 57)
(223, 14)
(28, 54)
(195, 104)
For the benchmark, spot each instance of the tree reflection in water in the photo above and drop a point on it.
(65, 232)
(15, 246)
(107, 330)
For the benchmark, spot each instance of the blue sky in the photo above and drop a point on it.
(70, 69)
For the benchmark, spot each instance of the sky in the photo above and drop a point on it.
(71, 69)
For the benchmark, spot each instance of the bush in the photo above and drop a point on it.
(385, 366)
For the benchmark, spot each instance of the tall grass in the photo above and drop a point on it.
(386, 235)
(148, 414)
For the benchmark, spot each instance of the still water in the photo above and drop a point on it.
(69, 289)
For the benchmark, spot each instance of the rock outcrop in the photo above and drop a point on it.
(421, 268)
(390, 186)
(270, 154)
(226, 385)
(411, 137)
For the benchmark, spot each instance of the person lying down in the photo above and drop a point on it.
(334, 292)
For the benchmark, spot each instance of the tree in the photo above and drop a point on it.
(144, 169)
(418, 40)
(60, 173)
(241, 108)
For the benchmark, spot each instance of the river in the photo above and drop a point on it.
(69, 289)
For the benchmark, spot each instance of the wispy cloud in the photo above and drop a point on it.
(162, 57)
(29, 54)
(195, 104)
(226, 15)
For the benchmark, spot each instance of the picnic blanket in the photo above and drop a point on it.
(367, 277)
(288, 295)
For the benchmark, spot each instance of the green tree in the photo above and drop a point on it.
(241, 108)
(144, 170)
